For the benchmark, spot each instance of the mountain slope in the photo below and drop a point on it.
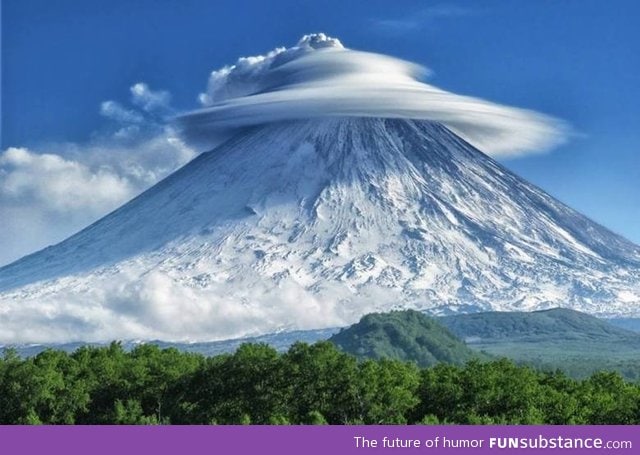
(632, 324)
(311, 224)
(403, 335)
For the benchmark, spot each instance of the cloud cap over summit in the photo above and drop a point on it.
(319, 77)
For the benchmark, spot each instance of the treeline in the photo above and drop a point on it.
(579, 367)
(309, 384)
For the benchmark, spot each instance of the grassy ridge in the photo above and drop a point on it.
(574, 342)
(404, 335)
(558, 324)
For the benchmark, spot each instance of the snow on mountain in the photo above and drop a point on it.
(310, 224)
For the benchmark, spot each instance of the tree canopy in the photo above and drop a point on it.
(308, 384)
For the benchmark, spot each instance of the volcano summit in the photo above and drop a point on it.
(310, 223)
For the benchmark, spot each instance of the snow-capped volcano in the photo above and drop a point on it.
(311, 223)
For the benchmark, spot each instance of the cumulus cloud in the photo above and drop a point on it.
(320, 77)
(156, 305)
(150, 100)
(49, 192)
(43, 197)
(115, 111)
(251, 74)
(61, 185)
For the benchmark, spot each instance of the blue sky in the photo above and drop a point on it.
(577, 60)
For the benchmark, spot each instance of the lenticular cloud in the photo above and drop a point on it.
(320, 77)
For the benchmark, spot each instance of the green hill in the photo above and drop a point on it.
(403, 335)
(574, 342)
(563, 339)
(556, 324)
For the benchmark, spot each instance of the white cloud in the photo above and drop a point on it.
(319, 77)
(422, 18)
(47, 193)
(125, 304)
(115, 111)
(59, 184)
(250, 74)
(150, 100)
(44, 197)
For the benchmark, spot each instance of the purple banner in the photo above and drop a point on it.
(317, 440)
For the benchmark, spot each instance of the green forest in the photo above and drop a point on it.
(308, 384)
(548, 340)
